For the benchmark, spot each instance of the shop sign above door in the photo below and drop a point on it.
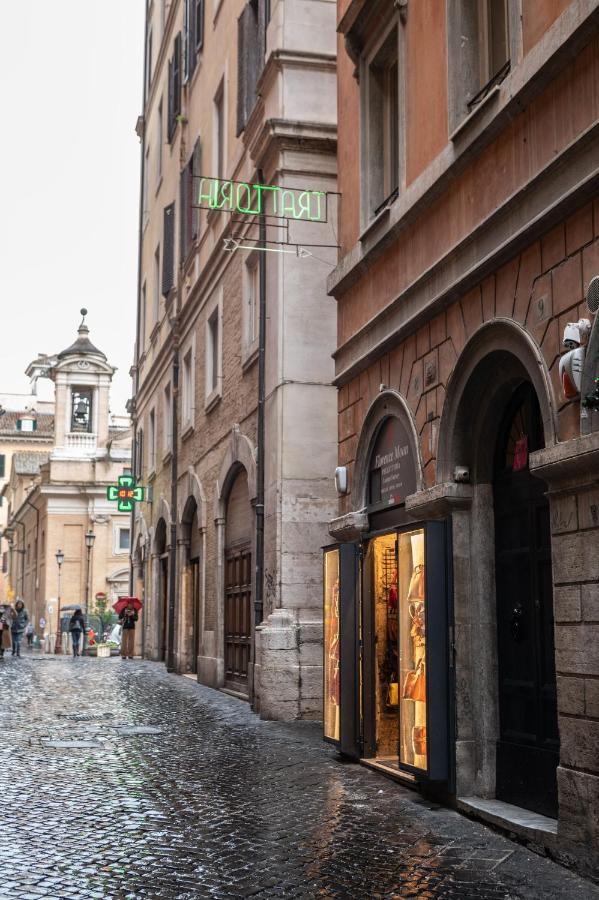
(392, 470)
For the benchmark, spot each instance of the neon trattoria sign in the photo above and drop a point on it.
(260, 199)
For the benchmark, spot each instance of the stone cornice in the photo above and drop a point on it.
(571, 463)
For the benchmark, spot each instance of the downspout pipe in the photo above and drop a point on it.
(172, 566)
(259, 595)
(142, 167)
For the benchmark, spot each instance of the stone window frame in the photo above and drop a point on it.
(117, 549)
(464, 64)
(213, 387)
(167, 412)
(249, 343)
(188, 382)
(375, 199)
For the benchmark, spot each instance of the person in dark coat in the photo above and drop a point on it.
(128, 617)
(17, 626)
(76, 629)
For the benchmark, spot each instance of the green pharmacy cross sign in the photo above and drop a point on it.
(126, 493)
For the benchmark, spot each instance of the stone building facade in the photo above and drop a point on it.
(55, 494)
(468, 250)
(235, 92)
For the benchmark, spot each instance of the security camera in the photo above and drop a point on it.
(461, 474)
(571, 363)
(341, 480)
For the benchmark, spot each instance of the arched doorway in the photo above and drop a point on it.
(238, 584)
(161, 588)
(191, 594)
(528, 743)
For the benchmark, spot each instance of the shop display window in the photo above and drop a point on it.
(331, 645)
(413, 747)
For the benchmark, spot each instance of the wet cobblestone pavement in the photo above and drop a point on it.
(121, 781)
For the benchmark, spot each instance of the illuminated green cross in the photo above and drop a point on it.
(126, 493)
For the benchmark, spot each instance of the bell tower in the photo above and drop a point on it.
(82, 376)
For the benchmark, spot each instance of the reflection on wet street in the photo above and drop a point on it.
(121, 781)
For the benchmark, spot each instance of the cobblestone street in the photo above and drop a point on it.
(122, 781)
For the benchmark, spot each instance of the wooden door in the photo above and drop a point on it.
(238, 618)
(195, 607)
(528, 746)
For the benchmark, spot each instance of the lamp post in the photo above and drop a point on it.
(58, 644)
(90, 537)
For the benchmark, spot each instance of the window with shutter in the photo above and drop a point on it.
(2, 464)
(168, 250)
(251, 37)
(196, 171)
(174, 88)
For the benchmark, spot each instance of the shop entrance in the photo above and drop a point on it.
(528, 745)
(394, 650)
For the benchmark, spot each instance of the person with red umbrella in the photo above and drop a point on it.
(127, 609)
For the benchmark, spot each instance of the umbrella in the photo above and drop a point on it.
(123, 602)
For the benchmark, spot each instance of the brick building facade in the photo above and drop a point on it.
(469, 248)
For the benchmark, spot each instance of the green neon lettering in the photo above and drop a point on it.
(317, 195)
(303, 201)
(226, 194)
(248, 207)
(287, 206)
(202, 195)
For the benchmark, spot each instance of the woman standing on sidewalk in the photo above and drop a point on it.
(5, 621)
(17, 627)
(128, 617)
(76, 629)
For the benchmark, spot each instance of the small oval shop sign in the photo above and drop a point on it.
(392, 465)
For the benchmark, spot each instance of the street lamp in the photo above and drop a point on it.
(58, 644)
(90, 537)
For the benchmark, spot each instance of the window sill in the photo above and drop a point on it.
(474, 114)
(168, 455)
(378, 222)
(158, 185)
(152, 475)
(213, 399)
(249, 355)
(188, 430)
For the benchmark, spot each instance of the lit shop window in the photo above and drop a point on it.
(331, 645)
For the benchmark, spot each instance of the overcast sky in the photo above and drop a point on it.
(70, 94)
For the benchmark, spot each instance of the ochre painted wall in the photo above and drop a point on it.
(537, 17)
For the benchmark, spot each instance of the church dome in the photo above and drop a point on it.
(82, 346)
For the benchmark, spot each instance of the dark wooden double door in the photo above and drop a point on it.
(528, 745)
(238, 618)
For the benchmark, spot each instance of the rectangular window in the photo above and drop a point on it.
(159, 139)
(251, 48)
(381, 107)
(152, 459)
(2, 464)
(142, 320)
(174, 88)
(252, 300)
(213, 338)
(167, 431)
(139, 453)
(124, 539)
(145, 188)
(493, 39)
(188, 388)
(190, 214)
(219, 131)
(156, 286)
(168, 253)
(149, 63)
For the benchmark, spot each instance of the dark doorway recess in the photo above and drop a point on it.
(528, 745)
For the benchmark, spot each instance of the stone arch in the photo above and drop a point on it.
(192, 490)
(239, 454)
(161, 536)
(141, 537)
(498, 356)
(387, 403)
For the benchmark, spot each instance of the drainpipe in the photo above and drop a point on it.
(259, 597)
(172, 570)
(142, 167)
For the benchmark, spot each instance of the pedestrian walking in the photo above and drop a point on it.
(17, 626)
(29, 633)
(5, 622)
(76, 629)
(128, 617)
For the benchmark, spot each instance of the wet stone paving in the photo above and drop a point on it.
(121, 781)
